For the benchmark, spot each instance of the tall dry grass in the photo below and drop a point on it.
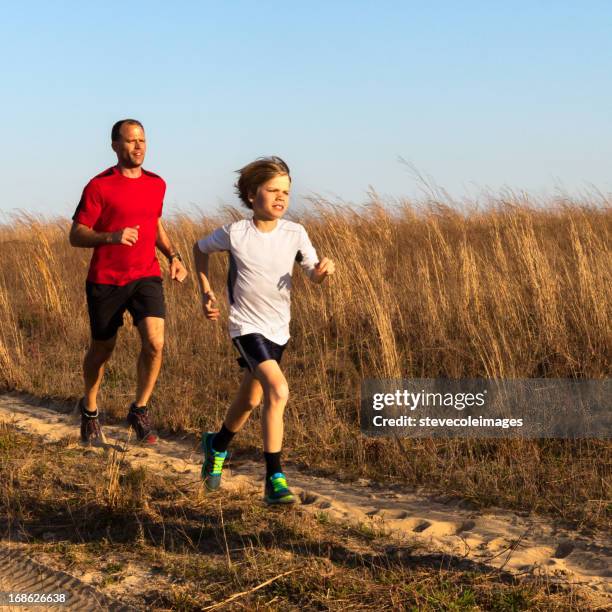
(421, 290)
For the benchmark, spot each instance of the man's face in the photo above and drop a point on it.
(131, 146)
(272, 198)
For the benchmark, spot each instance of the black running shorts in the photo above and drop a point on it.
(106, 304)
(255, 348)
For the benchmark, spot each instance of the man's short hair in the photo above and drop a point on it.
(257, 173)
(116, 131)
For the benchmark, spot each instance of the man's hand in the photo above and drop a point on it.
(127, 236)
(211, 312)
(178, 272)
(326, 267)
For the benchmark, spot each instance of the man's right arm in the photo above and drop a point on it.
(87, 213)
(85, 237)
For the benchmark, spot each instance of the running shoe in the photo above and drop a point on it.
(213, 462)
(91, 432)
(277, 491)
(138, 420)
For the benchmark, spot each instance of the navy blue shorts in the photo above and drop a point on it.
(255, 348)
(106, 304)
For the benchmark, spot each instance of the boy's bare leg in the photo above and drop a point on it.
(276, 395)
(248, 397)
(151, 331)
(215, 444)
(93, 368)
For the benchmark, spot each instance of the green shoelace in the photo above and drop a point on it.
(217, 465)
(280, 483)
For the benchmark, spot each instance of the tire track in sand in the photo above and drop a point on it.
(20, 573)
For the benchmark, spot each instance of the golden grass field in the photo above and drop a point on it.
(421, 290)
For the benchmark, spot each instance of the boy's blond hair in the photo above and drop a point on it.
(257, 173)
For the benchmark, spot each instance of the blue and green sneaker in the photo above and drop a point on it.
(213, 463)
(277, 491)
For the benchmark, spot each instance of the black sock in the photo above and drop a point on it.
(137, 409)
(86, 411)
(273, 464)
(222, 439)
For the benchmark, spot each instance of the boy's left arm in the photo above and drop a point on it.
(177, 269)
(317, 270)
(324, 268)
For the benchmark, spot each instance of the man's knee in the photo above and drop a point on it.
(101, 350)
(153, 345)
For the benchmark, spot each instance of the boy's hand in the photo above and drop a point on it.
(211, 312)
(326, 267)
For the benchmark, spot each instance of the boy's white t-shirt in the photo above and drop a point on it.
(259, 276)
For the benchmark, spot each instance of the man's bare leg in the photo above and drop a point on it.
(97, 355)
(151, 331)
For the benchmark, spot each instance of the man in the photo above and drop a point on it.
(119, 216)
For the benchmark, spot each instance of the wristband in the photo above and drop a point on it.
(174, 256)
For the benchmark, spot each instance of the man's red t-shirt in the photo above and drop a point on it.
(112, 201)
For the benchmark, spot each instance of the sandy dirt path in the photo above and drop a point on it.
(516, 542)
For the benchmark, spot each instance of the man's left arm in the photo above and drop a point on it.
(177, 269)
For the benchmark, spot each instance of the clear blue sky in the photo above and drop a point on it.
(473, 93)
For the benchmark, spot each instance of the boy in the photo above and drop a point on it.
(262, 251)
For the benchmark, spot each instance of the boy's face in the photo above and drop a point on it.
(272, 198)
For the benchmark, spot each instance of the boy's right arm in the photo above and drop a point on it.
(219, 240)
(209, 300)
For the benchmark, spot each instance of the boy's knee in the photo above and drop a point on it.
(251, 404)
(279, 393)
